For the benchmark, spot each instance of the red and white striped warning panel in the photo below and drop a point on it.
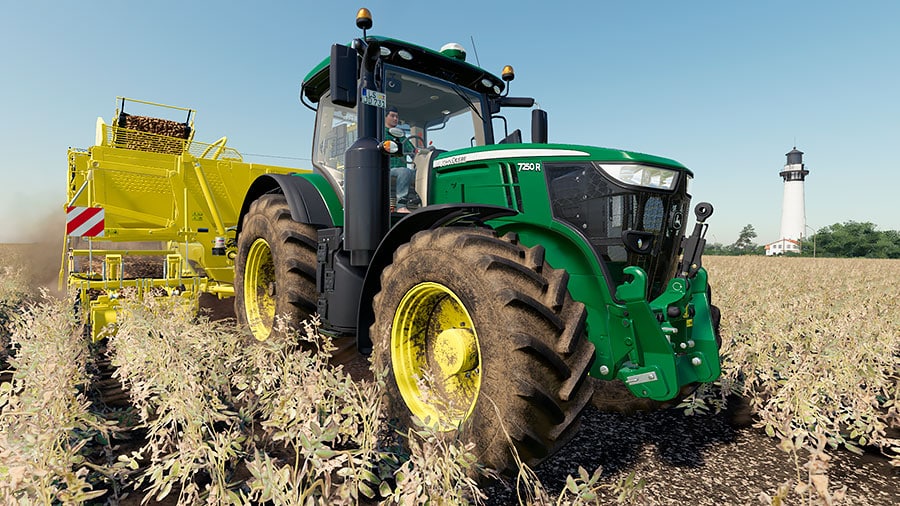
(84, 221)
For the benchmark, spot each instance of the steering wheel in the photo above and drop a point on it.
(402, 137)
(421, 141)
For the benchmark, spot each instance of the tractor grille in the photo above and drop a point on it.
(607, 213)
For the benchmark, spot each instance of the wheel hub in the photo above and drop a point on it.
(259, 289)
(456, 351)
(435, 355)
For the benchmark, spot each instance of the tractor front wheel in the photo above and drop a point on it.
(482, 341)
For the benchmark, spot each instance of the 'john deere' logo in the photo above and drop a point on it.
(676, 221)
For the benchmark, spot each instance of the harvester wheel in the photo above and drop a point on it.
(275, 268)
(482, 341)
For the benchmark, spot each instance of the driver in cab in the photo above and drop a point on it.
(399, 169)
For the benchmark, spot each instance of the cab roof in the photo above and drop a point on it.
(423, 60)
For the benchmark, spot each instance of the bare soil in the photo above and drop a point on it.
(701, 460)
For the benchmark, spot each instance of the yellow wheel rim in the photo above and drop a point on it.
(435, 356)
(259, 289)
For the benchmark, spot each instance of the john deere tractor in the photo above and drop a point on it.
(525, 268)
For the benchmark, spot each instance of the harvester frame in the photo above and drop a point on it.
(180, 195)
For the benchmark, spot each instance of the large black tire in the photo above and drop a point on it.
(528, 358)
(275, 267)
(716, 316)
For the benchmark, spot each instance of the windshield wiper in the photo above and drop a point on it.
(466, 99)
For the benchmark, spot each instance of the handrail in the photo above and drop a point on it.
(155, 104)
(220, 144)
(204, 188)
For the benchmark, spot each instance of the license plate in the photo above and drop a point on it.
(374, 98)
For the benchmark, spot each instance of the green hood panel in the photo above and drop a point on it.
(559, 152)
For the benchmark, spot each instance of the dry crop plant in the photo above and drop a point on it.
(223, 422)
(179, 382)
(440, 468)
(816, 345)
(585, 489)
(14, 290)
(211, 404)
(323, 434)
(319, 426)
(44, 418)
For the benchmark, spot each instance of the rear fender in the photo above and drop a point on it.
(307, 202)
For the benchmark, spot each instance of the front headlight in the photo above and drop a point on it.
(642, 175)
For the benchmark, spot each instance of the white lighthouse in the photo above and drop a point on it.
(793, 206)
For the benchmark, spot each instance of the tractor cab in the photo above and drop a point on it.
(434, 115)
(443, 102)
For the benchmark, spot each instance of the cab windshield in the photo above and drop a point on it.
(433, 114)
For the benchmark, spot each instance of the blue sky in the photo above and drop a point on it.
(726, 88)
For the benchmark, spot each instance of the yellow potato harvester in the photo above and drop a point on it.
(148, 194)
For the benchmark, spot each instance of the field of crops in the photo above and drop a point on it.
(814, 344)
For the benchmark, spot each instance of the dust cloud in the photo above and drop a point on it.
(42, 252)
(42, 257)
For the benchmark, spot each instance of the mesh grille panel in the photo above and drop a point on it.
(603, 211)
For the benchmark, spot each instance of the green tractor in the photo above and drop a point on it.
(525, 268)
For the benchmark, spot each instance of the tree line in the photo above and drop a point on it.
(850, 239)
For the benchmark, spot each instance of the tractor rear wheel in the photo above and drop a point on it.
(275, 267)
(482, 341)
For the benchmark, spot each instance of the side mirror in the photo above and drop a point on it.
(539, 126)
(516, 101)
(342, 74)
